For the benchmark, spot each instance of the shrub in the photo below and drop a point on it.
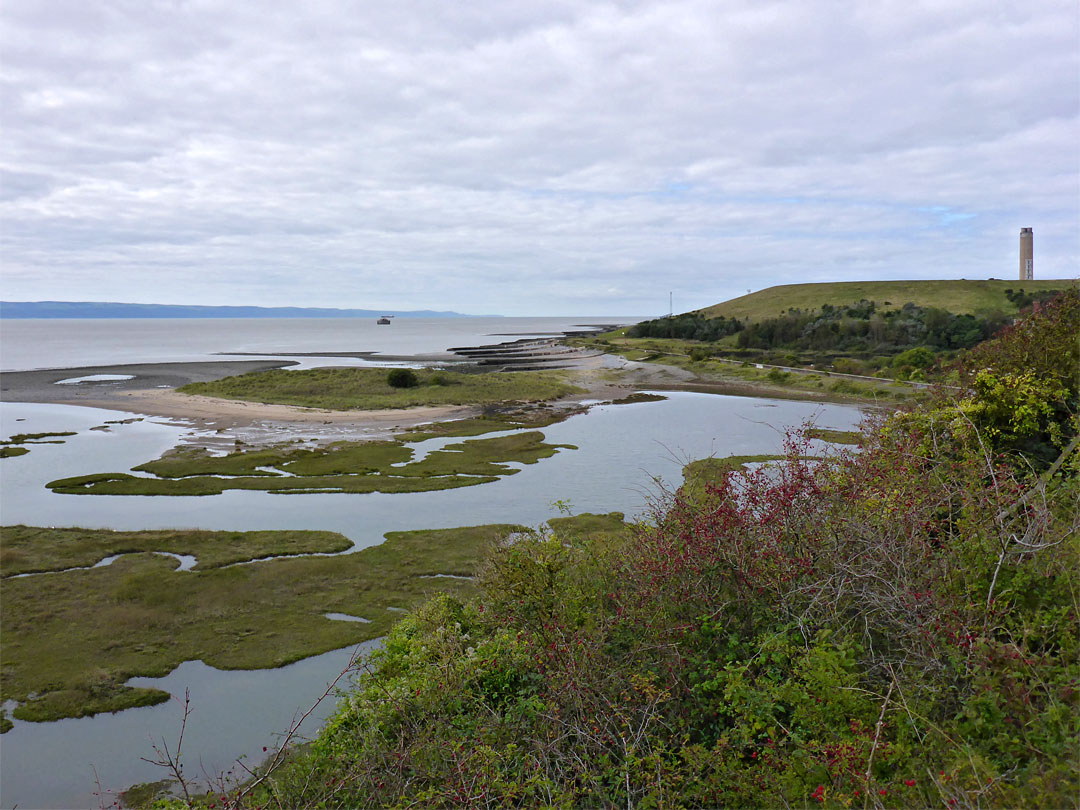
(919, 357)
(402, 378)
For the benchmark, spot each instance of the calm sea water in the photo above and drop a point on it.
(32, 344)
(623, 452)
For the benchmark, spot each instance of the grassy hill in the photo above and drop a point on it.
(957, 296)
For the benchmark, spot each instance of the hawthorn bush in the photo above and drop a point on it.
(402, 378)
(894, 626)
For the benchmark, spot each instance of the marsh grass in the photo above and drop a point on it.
(533, 417)
(634, 399)
(74, 638)
(31, 549)
(13, 447)
(368, 389)
(352, 467)
(40, 438)
(852, 437)
(712, 470)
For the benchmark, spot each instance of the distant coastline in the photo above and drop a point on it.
(93, 309)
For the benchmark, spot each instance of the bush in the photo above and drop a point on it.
(402, 378)
(919, 357)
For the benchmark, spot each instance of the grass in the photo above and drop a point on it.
(29, 549)
(853, 437)
(72, 639)
(367, 389)
(956, 295)
(712, 470)
(634, 399)
(532, 417)
(591, 530)
(11, 448)
(43, 438)
(353, 467)
(745, 378)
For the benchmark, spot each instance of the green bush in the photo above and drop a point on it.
(402, 378)
(919, 357)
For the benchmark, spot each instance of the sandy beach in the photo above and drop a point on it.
(149, 390)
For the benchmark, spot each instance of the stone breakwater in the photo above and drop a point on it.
(526, 354)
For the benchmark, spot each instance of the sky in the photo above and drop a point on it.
(529, 158)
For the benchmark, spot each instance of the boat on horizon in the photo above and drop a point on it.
(384, 320)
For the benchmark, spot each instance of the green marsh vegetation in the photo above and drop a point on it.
(32, 550)
(835, 436)
(889, 627)
(354, 467)
(370, 389)
(72, 638)
(15, 446)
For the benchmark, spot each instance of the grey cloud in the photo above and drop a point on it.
(524, 157)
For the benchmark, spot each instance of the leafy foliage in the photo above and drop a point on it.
(862, 326)
(687, 327)
(403, 378)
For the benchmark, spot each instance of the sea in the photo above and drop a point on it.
(71, 343)
(626, 457)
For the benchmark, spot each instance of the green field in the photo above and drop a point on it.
(367, 389)
(957, 296)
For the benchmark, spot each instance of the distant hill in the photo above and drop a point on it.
(957, 296)
(89, 309)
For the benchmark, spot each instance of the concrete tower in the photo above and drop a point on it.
(1027, 253)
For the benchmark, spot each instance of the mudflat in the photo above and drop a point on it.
(41, 385)
(151, 391)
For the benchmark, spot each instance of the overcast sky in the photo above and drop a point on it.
(566, 157)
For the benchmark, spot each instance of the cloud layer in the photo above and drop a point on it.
(529, 158)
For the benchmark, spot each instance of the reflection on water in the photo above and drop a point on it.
(233, 715)
(624, 452)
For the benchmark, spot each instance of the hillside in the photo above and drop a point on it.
(956, 295)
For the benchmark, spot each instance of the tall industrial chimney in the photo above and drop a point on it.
(1027, 253)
